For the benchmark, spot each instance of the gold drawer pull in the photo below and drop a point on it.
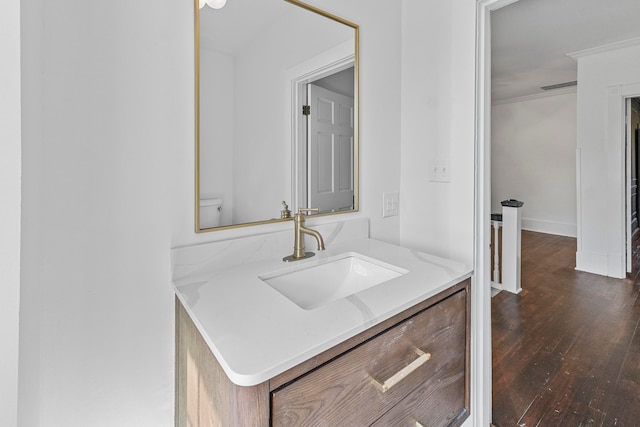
(395, 379)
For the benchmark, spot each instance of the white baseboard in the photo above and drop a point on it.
(550, 227)
(498, 287)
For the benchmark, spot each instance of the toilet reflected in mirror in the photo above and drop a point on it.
(210, 212)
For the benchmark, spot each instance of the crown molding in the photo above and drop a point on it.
(492, 5)
(548, 94)
(604, 48)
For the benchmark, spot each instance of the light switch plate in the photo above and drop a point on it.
(440, 171)
(390, 204)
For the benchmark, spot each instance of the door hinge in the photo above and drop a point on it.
(306, 110)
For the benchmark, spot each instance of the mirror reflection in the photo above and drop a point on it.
(276, 112)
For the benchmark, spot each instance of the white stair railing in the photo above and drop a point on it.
(507, 278)
(496, 224)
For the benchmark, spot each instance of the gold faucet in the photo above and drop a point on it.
(300, 231)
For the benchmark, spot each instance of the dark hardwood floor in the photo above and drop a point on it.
(566, 350)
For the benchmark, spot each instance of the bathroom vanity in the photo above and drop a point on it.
(362, 333)
(248, 353)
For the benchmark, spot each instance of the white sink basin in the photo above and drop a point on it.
(314, 285)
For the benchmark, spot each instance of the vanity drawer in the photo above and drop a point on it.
(348, 390)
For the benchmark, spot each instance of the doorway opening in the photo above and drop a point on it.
(483, 138)
(324, 125)
(632, 154)
(337, 70)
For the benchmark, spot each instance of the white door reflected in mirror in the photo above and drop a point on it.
(330, 141)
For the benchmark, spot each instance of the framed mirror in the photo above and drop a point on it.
(276, 91)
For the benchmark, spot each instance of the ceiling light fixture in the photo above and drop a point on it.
(214, 4)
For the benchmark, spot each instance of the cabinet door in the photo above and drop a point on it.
(350, 390)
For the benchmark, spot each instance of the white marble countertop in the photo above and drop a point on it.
(256, 333)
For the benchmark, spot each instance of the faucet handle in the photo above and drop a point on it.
(285, 212)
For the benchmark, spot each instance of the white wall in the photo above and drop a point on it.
(605, 78)
(107, 90)
(438, 122)
(533, 146)
(438, 86)
(10, 174)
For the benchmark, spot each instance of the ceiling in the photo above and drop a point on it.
(531, 38)
(235, 25)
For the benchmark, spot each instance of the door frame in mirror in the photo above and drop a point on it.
(331, 62)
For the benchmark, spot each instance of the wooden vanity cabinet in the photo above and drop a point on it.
(411, 370)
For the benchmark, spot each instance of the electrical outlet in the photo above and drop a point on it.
(390, 204)
(440, 171)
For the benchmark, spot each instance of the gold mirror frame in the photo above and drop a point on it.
(356, 118)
